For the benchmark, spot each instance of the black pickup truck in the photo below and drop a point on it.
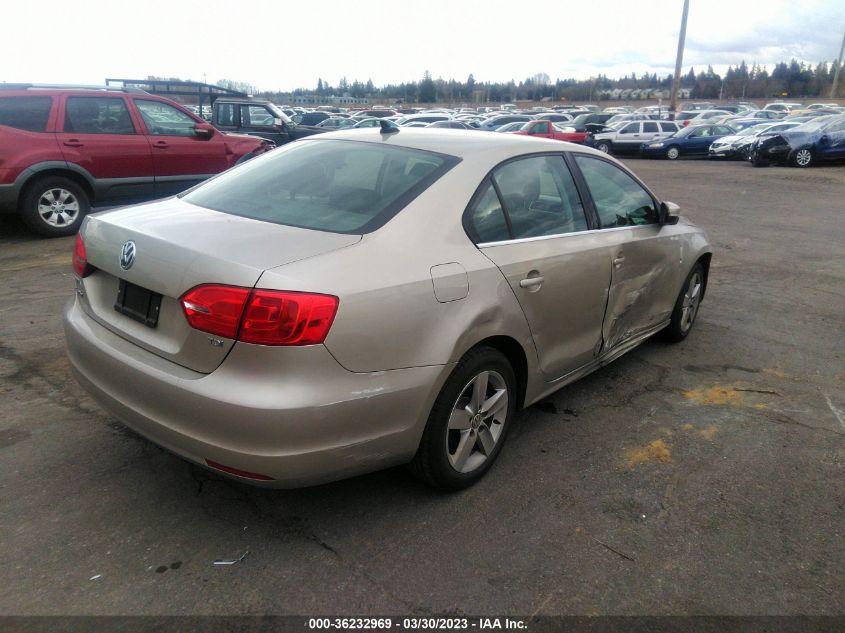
(258, 117)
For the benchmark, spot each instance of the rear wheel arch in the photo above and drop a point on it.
(70, 174)
(514, 352)
(704, 260)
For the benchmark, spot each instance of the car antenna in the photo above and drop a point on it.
(388, 127)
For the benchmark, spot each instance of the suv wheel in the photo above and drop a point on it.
(54, 206)
(603, 146)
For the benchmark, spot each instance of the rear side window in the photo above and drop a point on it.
(619, 199)
(97, 115)
(540, 197)
(487, 219)
(669, 127)
(226, 114)
(25, 113)
(336, 186)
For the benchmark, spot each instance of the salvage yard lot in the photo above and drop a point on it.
(702, 478)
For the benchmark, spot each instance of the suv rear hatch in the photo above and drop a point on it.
(179, 246)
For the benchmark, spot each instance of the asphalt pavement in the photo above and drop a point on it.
(706, 477)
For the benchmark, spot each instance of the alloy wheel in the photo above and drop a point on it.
(58, 207)
(803, 157)
(477, 421)
(672, 153)
(691, 301)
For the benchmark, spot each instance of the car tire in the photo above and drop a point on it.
(461, 439)
(673, 152)
(803, 157)
(54, 206)
(756, 160)
(604, 146)
(686, 306)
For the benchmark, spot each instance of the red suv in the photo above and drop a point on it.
(63, 150)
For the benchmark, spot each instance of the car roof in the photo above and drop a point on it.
(462, 144)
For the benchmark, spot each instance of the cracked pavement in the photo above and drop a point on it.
(701, 478)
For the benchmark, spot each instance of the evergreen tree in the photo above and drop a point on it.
(427, 92)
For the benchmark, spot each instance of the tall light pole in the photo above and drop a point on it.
(838, 70)
(676, 80)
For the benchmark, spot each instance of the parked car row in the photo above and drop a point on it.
(800, 140)
(64, 150)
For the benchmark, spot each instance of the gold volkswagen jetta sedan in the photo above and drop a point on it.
(374, 297)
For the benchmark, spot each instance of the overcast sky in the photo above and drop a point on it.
(271, 45)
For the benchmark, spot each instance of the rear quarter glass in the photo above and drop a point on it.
(25, 113)
(325, 185)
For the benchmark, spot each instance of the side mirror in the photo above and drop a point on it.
(204, 130)
(824, 140)
(670, 213)
(278, 123)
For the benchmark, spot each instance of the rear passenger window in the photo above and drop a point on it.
(487, 219)
(25, 113)
(650, 127)
(226, 114)
(97, 115)
(540, 197)
(619, 199)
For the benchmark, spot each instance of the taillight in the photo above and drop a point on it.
(215, 309)
(80, 259)
(287, 318)
(264, 317)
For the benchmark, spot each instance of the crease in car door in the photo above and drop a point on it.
(557, 269)
(644, 255)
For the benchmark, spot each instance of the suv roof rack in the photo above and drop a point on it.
(30, 86)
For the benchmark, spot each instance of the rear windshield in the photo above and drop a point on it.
(327, 185)
(25, 113)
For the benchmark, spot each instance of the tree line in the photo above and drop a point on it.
(793, 79)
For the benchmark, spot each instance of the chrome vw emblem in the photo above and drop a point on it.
(127, 255)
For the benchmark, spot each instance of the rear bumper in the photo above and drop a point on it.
(291, 414)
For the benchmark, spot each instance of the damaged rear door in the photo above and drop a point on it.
(645, 258)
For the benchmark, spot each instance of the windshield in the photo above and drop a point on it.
(327, 185)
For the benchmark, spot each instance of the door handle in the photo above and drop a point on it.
(72, 142)
(619, 261)
(531, 282)
(161, 145)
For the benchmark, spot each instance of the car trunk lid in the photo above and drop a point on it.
(178, 246)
